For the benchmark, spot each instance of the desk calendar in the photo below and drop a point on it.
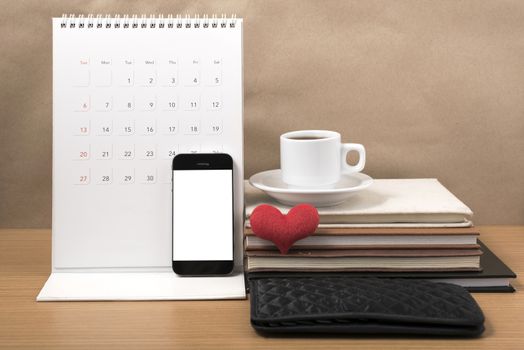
(129, 93)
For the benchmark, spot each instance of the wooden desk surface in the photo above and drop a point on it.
(25, 257)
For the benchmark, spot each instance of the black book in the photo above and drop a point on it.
(495, 276)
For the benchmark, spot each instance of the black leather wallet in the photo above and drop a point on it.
(362, 306)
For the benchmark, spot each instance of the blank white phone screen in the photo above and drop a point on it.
(202, 215)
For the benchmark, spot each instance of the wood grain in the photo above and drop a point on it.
(24, 323)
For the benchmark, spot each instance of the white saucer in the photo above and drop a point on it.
(271, 183)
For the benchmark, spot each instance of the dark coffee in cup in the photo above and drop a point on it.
(307, 138)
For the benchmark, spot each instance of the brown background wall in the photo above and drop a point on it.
(431, 88)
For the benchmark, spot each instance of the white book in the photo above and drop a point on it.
(341, 242)
(386, 203)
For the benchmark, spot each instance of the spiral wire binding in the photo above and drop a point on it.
(187, 21)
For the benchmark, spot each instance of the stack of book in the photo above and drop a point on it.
(412, 228)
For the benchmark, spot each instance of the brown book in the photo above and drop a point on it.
(376, 238)
(411, 253)
(349, 231)
(366, 260)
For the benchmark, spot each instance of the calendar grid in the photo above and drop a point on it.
(127, 98)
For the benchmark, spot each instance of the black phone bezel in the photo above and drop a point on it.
(203, 161)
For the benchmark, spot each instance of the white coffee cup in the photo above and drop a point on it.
(313, 158)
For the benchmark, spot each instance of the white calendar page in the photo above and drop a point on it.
(125, 102)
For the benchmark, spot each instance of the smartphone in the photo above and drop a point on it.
(203, 215)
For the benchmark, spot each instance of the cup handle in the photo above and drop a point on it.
(348, 147)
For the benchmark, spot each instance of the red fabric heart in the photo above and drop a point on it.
(269, 223)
